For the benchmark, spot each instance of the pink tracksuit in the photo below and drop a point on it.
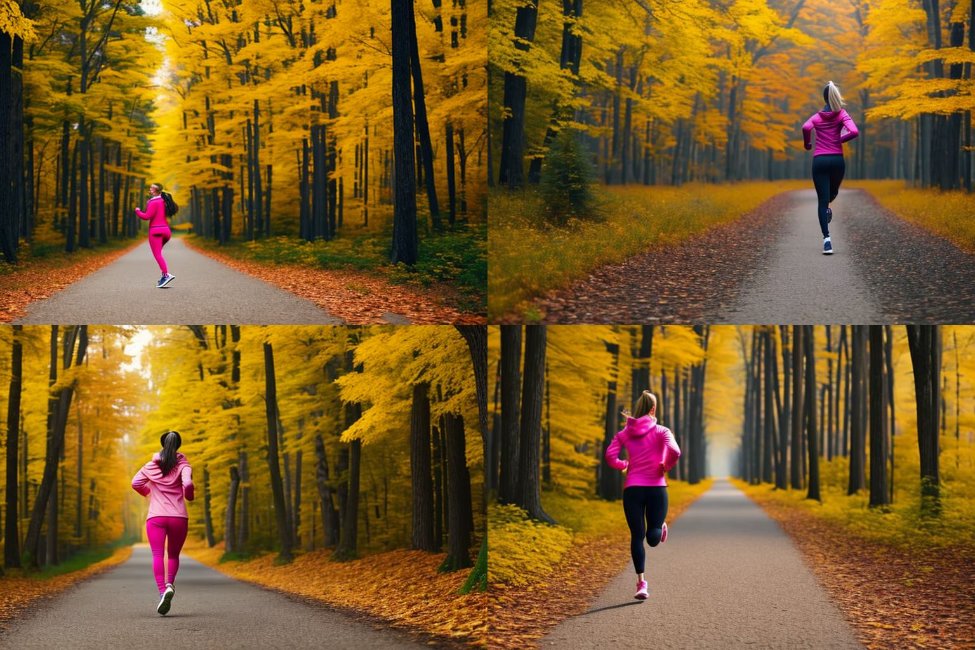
(167, 516)
(833, 128)
(159, 232)
(651, 448)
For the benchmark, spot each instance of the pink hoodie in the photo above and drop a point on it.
(833, 128)
(155, 213)
(648, 446)
(166, 493)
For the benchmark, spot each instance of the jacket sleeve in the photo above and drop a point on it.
(851, 128)
(613, 454)
(807, 133)
(140, 483)
(152, 207)
(187, 475)
(671, 450)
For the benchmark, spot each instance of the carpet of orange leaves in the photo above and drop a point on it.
(357, 298)
(399, 589)
(520, 616)
(38, 279)
(892, 597)
(21, 592)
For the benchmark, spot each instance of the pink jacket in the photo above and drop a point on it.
(155, 213)
(651, 448)
(833, 128)
(166, 493)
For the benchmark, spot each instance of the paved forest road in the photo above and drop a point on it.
(769, 268)
(210, 610)
(727, 577)
(204, 291)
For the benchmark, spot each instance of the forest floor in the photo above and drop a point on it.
(401, 589)
(36, 277)
(448, 284)
(21, 591)
(906, 591)
(540, 575)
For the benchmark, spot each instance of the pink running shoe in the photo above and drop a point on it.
(641, 590)
(663, 533)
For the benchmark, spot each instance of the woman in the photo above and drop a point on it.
(833, 127)
(159, 232)
(652, 452)
(167, 479)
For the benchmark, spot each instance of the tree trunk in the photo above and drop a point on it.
(924, 342)
(422, 126)
(511, 336)
(878, 430)
(610, 484)
(277, 488)
(857, 410)
(405, 244)
(230, 522)
(515, 94)
(330, 516)
(207, 509)
(797, 408)
(460, 517)
(420, 470)
(11, 544)
(529, 487)
(811, 430)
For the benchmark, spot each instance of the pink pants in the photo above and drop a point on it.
(158, 529)
(158, 236)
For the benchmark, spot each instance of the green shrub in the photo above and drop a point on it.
(567, 179)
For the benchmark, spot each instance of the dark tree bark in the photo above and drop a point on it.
(230, 520)
(420, 466)
(878, 429)
(924, 342)
(858, 459)
(529, 486)
(330, 516)
(207, 509)
(243, 521)
(277, 487)
(405, 243)
(811, 430)
(795, 456)
(515, 94)
(11, 544)
(347, 548)
(460, 518)
(510, 413)
(422, 125)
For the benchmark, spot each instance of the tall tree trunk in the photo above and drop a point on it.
(11, 543)
(511, 336)
(811, 430)
(277, 488)
(924, 342)
(610, 485)
(420, 470)
(230, 520)
(405, 244)
(459, 510)
(330, 516)
(515, 94)
(795, 457)
(857, 411)
(529, 487)
(878, 430)
(208, 509)
(422, 126)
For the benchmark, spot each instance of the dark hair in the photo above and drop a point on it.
(167, 458)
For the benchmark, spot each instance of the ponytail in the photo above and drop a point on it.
(832, 96)
(167, 458)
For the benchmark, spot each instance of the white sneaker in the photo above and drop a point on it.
(827, 246)
(166, 279)
(166, 600)
(641, 590)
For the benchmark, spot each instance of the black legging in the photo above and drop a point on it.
(645, 508)
(827, 173)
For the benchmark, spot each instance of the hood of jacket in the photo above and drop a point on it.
(830, 116)
(154, 472)
(640, 426)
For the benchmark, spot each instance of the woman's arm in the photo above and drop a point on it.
(152, 207)
(807, 133)
(613, 454)
(671, 450)
(851, 128)
(140, 483)
(187, 476)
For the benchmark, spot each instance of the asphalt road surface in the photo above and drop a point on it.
(204, 291)
(118, 610)
(727, 577)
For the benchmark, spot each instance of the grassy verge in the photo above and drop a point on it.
(578, 557)
(427, 603)
(20, 590)
(948, 214)
(455, 258)
(529, 258)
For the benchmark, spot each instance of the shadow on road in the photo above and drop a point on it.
(603, 609)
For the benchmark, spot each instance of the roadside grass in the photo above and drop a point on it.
(528, 257)
(948, 214)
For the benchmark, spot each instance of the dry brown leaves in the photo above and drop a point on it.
(893, 598)
(20, 592)
(400, 589)
(520, 616)
(33, 280)
(356, 298)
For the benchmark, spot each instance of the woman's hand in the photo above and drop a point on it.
(807, 146)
